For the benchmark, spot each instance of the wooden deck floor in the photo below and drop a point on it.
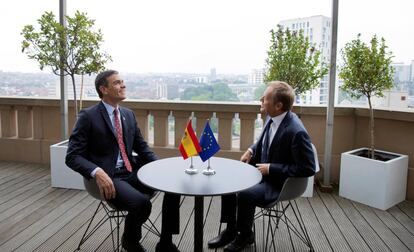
(36, 217)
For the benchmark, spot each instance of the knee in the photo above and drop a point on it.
(245, 197)
(141, 205)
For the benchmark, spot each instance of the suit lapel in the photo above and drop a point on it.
(106, 118)
(279, 132)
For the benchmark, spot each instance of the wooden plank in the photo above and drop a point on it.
(34, 216)
(7, 169)
(22, 193)
(29, 236)
(402, 218)
(23, 205)
(380, 228)
(315, 231)
(73, 239)
(408, 208)
(22, 180)
(19, 173)
(32, 213)
(361, 225)
(348, 230)
(63, 220)
(76, 226)
(333, 234)
(396, 228)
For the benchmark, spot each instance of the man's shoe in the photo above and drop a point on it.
(166, 247)
(240, 243)
(222, 239)
(131, 246)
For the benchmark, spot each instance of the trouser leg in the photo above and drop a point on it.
(228, 210)
(170, 223)
(136, 203)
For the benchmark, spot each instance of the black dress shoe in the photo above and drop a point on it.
(240, 243)
(222, 239)
(166, 247)
(131, 246)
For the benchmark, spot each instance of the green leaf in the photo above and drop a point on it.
(291, 58)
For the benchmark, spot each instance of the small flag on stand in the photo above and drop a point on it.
(208, 142)
(189, 143)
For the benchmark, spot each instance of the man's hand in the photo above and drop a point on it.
(246, 157)
(104, 182)
(263, 168)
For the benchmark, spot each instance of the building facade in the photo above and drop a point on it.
(318, 30)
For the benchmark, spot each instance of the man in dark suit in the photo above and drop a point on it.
(283, 150)
(100, 148)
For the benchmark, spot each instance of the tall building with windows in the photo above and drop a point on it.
(404, 80)
(256, 77)
(318, 30)
(213, 75)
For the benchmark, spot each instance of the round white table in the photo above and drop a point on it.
(168, 175)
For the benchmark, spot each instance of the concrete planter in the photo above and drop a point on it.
(379, 184)
(63, 176)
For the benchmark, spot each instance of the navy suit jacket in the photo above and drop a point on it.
(290, 152)
(93, 142)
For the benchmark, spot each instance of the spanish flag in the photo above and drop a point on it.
(189, 143)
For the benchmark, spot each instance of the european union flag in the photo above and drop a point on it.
(208, 143)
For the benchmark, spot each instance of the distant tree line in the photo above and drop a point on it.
(215, 92)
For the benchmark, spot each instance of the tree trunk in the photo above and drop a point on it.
(371, 123)
(81, 94)
(75, 101)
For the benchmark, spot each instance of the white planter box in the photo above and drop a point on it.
(63, 176)
(379, 184)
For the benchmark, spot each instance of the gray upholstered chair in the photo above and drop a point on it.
(271, 214)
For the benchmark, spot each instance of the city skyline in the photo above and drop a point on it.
(193, 37)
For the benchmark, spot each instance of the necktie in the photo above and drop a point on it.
(265, 145)
(121, 142)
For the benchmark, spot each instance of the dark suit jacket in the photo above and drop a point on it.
(290, 152)
(93, 142)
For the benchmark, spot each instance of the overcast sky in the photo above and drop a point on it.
(193, 36)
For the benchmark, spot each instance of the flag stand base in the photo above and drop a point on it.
(209, 171)
(191, 170)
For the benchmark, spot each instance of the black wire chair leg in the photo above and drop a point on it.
(87, 234)
(298, 215)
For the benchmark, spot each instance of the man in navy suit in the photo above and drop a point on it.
(100, 148)
(283, 150)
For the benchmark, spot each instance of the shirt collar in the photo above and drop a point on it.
(109, 108)
(277, 120)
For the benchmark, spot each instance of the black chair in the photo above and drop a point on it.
(114, 215)
(277, 211)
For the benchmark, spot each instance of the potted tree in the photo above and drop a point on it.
(80, 45)
(293, 59)
(373, 177)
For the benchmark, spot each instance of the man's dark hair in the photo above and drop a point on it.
(101, 80)
(283, 93)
